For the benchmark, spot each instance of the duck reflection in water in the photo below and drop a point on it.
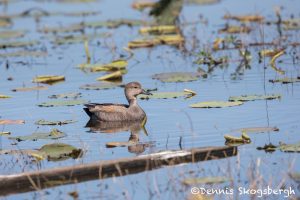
(134, 127)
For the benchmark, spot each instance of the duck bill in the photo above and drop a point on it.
(146, 92)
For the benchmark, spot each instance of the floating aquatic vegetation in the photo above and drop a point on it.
(291, 24)
(73, 95)
(268, 147)
(206, 180)
(273, 60)
(63, 29)
(216, 104)
(53, 134)
(69, 39)
(11, 34)
(115, 23)
(245, 18)
(140, 5)
(62, 103)
(120, 144)
(243, 139)
(46, 122)
(2, 96)
(269, 52)
(254, 97)
(235, 29)
(9, 121)
(25, 53)
(117, 75)
(15, 44)
(104, 85)
(25, 89)
(5, 22)
(159, 30)
(202, 2)
(289, 147)
(166, 12)
(48, 79)
(173, 39)
(257, 129)
(168, 95)
(5, 133)
(285, 80)
(60, 151)
(177, 76)
(114, 65)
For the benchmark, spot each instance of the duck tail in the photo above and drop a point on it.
(87, 110)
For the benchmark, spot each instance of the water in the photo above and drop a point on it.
(168, 119)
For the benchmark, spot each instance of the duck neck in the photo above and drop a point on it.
(132, 102)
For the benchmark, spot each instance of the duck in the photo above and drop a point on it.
(109, 112)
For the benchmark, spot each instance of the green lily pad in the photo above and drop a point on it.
(257, 129)
(53, 134)
(100, 86)
(46, 122)
(206, 180)
(166, 95)
(62, 103)
(285, 80)
(290, 147)
(177, 76)
(73, 95)
(60, 151)
(254, 97)
(26, 89)
(216, 104)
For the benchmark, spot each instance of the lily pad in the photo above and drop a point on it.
(268, 148)
(53, 134)
(119, 144)
(5, 133)
(60, 151)
(25, 89)
(48, 79)
(25, 53)
(78, 38)
(104, 85)
(4, 96)
(115, 23)
(243, 139)
(73, 95)
(166, 95)
(245, 18)
(254, 97)
(14, 44)
(159, 30)
(177, 76)
(285, 80)
(11, 34)
(46, 122)
(216, 104)
(257, 129)
(114, 65)
(290, 147)
(9, 121)
(206, 180)
(172, 39)
(235, 29)
(62, 103)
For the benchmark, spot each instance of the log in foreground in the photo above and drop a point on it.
(30, 181)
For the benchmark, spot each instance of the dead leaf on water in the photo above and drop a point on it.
(119, 144)
(173, 39)
(11, 34)
(48, 79)
(5, 133)
(273, 60)
(9, 121)
(117, 75)
(159, 30)
(2, 96)
(140, 5)
(114, 65)
(235, 29)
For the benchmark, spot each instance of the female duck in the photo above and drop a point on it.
(119, 112)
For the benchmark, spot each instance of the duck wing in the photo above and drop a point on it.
(106, 111)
